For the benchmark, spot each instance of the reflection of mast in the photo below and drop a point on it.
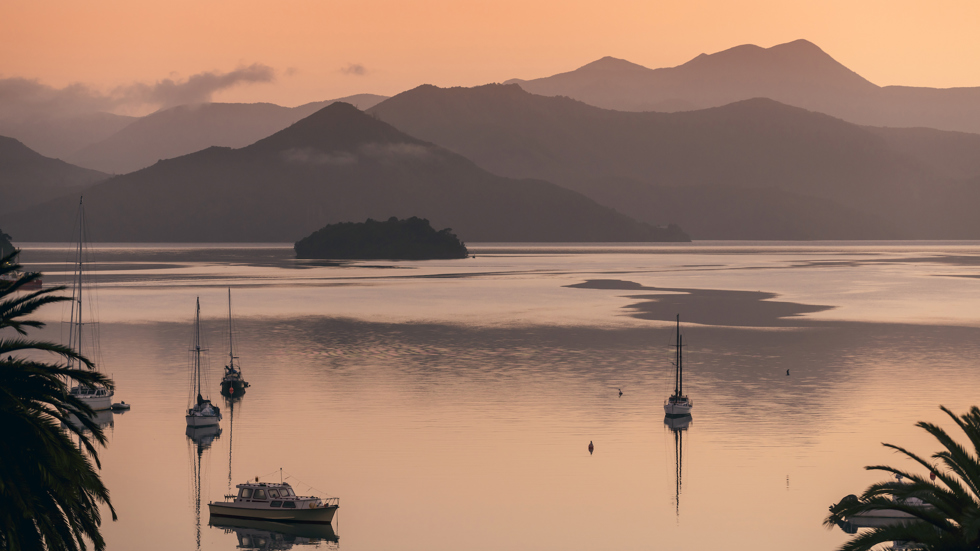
(201, 438)
(679, 462)
(678, 425)
(231, 435)
(197, 494)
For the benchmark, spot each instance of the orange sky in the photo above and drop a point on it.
(403, 43)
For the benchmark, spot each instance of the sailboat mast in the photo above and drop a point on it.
(680, 365)
(231, 353)
(76, 318)
(677, 357)
(197, 346)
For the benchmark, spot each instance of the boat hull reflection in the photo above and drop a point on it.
(203, 436)
(263, 534)
(678, 422)
(103, 419)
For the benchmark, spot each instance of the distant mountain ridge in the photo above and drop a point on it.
(755, 169)
(60, 135)
(337, 165)
(797, 73)
(188, 128)
(28, 178)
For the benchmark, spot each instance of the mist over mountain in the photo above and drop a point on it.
(797, 73)
(755, 169)
(185, 129)
(28, 178)
(336, 165)
(59, 135)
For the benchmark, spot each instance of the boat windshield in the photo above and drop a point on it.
(246, 493)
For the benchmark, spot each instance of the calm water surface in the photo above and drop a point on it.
(450, 404)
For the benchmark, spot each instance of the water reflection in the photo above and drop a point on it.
(678, 426)
(230, 406)
(200, 439)
(103, 419)
(257, 534)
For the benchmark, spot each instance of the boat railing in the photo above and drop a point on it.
(331, 502)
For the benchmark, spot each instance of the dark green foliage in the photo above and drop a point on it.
(6, 247)
(50, 491)
(411, 239)
(949, 520)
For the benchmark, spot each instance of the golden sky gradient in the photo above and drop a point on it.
(401, 44)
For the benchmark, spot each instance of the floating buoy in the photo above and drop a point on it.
(620, 392)
(591, 447)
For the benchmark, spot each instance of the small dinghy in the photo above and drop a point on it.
(120, 406)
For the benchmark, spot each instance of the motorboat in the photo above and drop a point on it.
(11, 277)
(274, 501)
(678, 404)
(121, 406)
(233, 384)
(201, 412)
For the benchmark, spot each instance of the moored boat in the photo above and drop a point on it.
(678, 404)
(233, 384)
(274, 501)
(202, 412)
(97, 398)
(33, 285)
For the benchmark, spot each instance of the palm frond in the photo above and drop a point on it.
(50, 491)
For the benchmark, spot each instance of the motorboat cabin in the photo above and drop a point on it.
(276, 502)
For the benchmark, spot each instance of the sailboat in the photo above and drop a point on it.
(97, 398)
(202, 412)
(232, 384)
(678, 404)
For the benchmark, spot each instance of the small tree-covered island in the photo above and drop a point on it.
(394, 239)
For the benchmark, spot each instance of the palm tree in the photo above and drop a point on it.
(945, 503)
(50, 491)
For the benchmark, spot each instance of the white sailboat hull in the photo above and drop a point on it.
(678, 409)
(97, 403)
(202, 420)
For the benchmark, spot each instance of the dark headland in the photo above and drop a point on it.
(394, 239)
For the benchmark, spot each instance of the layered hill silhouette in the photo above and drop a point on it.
(755, 169)
(28, 178)
(797, 73)
(336, 165)
(185, 129)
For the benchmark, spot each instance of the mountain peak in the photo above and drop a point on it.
(800, 45)
(337, 127)
(610, 63)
